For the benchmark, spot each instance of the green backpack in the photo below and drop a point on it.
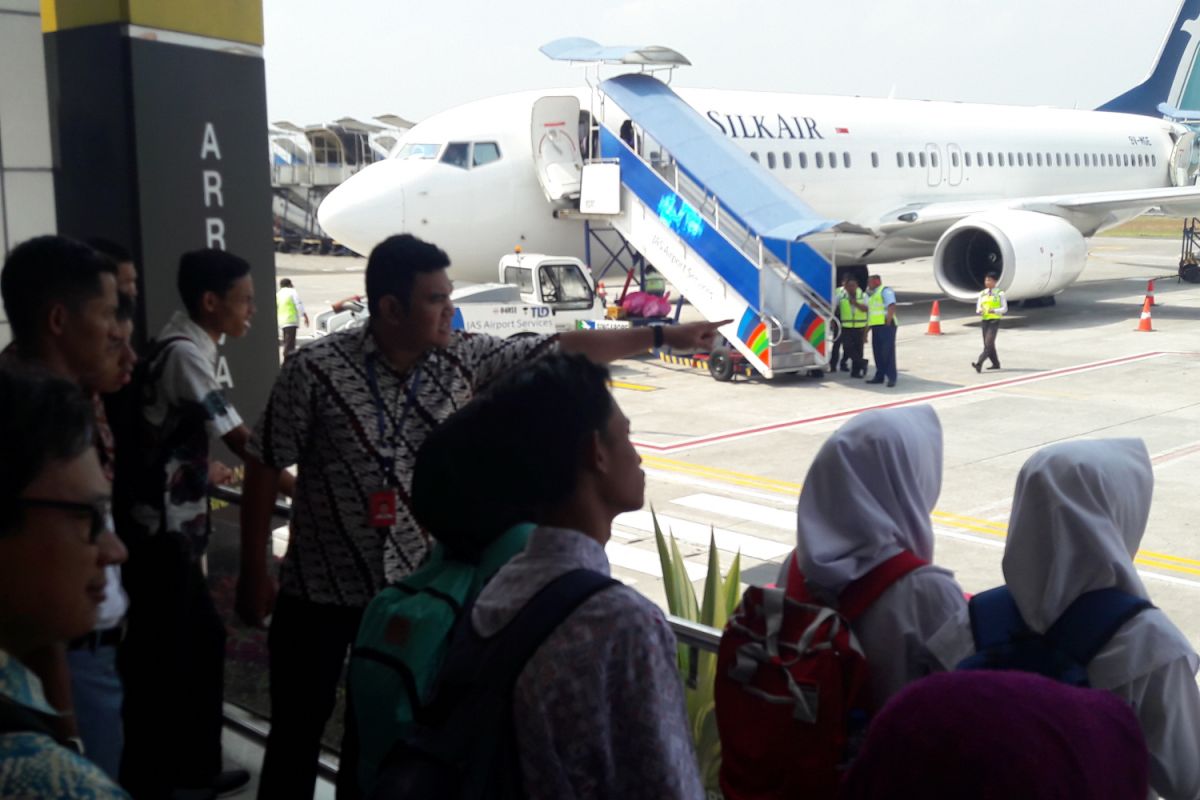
(402, 642)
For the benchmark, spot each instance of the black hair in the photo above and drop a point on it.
(110, 249)
(126, 306)
(285, 283)
(394, 265)
(43, 271)
(209, 270)
(993, 275)
(43, 418)
(875, 278)
(490, 465)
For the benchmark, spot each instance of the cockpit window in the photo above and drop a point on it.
(414, 150)
(457, 154)
(485, 153)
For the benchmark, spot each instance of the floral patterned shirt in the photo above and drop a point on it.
(33, 765)
(599, 708)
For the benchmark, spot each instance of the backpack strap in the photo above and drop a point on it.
(995, 619)
(507, 651)
(1092, 619)
(858, 596)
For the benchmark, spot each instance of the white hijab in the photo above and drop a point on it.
(868, 495)
(1078, 516)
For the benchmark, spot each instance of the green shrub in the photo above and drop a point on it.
(699, 667)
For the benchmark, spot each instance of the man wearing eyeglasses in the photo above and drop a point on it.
(56, 545)
(62, 303)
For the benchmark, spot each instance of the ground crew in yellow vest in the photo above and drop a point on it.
(882, 322)
(852, 311)
(289, 310)
(992, 305)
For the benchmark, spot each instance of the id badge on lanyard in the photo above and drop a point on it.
(382, 504)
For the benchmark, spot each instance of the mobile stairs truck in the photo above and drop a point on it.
(724, 231)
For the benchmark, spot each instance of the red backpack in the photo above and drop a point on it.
(792, 683)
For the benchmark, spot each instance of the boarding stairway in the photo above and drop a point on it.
(721, 229)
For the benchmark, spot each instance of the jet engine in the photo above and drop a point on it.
(1036, 255)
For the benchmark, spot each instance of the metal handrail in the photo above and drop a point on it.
(691, 634)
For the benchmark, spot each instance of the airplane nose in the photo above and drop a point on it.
(367, 208)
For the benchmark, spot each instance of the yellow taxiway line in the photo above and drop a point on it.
(988, 527)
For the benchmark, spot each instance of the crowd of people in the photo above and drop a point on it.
(415, 474)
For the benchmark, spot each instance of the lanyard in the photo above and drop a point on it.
(388, 463)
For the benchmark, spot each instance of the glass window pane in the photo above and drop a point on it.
(457, 154)
(787, 160)
(770, 160)
(819, 160)
(875, 160)
(485, 153)
(802, 159)
(846, 160)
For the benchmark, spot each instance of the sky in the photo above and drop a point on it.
(332, 58)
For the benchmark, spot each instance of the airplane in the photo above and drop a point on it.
(980, 188)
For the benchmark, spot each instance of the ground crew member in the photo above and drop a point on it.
(881, 319)
(289, 309)
(852, 310)
(991, 305)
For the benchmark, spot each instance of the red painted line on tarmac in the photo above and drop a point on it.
(1171, 455)
(703, 441)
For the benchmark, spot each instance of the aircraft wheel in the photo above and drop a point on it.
(720, 364)
(1190, 273)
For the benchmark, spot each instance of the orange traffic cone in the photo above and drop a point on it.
(1144, 322)
(935, 320)
(1150, 291)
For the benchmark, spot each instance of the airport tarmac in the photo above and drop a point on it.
(731, 457)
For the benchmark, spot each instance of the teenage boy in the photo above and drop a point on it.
(173, 658)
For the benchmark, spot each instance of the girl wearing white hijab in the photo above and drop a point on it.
(868, 496)
(1078, 516)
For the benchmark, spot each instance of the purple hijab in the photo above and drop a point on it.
(991, 734)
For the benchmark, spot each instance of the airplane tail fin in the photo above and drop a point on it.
(1174, 78)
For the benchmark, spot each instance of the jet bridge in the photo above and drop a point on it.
(721, 229)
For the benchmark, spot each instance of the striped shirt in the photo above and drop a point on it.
(322, 416)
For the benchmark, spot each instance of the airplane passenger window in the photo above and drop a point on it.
(771, 160)
(954, 159)
(921, 159)
(787, 160)
(833, 160)
(933, 159)
(1012, 160)
(991, 162)
(1112, 160)
(456, 154)
(1077, 159)
(802, 160)
(819, 160)
(912, 160)
(1125, 159)
(1154, 161)
(485, 153)
(846, 160)
(1020, 159)
(979, 159)
(1039, 159)
(899, 159)
(413, 150)
(754, 155)
(875, 160)
(1058, 159)
(1029, 159)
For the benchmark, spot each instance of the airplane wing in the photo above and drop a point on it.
(1089, 212)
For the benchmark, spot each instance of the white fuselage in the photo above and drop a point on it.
(858, 160)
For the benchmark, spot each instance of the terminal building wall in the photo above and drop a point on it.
(27, 205)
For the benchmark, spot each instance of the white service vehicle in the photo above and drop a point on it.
(536, 294)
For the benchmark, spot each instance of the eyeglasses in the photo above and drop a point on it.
(99, 512)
